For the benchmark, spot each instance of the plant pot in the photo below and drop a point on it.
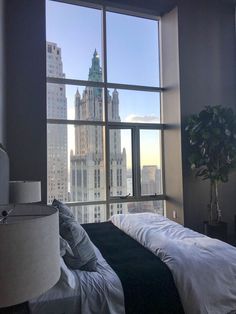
(216, 230)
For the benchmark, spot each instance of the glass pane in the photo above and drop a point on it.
(118, 208)
(120, 162)
(57, 163)
(74, 102)
(89, 213)
(137, 207)
(150, 161)
(132, 50)
(76, 170)
(133, 106)
(73, 41)
(150, 206)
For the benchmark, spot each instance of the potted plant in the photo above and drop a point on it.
(211, 137)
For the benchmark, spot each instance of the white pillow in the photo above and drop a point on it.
(79, 253)
(67, 276)
(64, 247)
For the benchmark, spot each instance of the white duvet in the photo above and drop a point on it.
(204, 269)
(91, 293)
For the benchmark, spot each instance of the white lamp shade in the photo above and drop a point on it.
(29, 253)
(25, 191)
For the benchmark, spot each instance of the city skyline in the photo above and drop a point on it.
(136, 54)
(147, 142)
(89, 184)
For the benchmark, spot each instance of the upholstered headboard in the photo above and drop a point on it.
(4, 176)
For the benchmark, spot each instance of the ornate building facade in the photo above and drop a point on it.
(87, 162)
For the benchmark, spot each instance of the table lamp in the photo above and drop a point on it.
(25, 191)
(21, 192)
(29, 252)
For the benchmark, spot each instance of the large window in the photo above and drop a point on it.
(103, 111)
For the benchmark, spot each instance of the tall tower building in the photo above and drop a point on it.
(57, 134)
(87, 161)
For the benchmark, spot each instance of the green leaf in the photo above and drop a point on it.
(212, 142)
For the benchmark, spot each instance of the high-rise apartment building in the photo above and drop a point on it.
(57, 169)
(87, 161)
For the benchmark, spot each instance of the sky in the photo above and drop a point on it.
(132, 58)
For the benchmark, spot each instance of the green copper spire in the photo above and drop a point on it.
(95, 72)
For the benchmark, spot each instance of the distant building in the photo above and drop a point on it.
(87, 161)
(150, 180)
(150, 185)
(57, 165)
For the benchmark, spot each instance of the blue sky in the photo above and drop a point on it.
(132, 54)
(132, 51)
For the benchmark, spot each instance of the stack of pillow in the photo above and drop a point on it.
(76, 248)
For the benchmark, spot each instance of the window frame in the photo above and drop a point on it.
(108, 125)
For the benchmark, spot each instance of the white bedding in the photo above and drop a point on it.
(95, 292)
(204, 269)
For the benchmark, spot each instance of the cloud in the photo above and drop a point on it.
(142, 119)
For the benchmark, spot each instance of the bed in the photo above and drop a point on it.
(147, 282)
(135, 281)
(148, 264)
(204, 269)
(90, 292)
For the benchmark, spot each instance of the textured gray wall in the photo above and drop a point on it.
(26, 90)
(2, 76)
(207, 51)
(172, 115)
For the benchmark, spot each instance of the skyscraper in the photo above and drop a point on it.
(87, 161)
(57, 185)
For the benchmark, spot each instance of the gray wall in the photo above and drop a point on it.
(199, 68)
(172, 115)
(26, 90)
(207, 55)
(2, 76)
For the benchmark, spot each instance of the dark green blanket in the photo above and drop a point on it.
(147, 282)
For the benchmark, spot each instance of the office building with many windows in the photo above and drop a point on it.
(57, 184)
